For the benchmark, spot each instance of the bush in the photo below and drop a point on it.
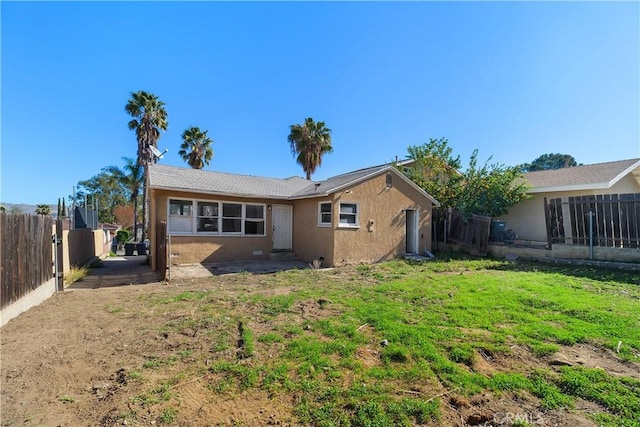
(123, 236)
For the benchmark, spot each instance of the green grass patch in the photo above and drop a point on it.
(271, 337)
(352, 344)
(619, 395)
(168, 416)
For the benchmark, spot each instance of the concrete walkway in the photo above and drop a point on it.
(194, 271)
(118, 271)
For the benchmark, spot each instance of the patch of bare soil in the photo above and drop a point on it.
(594, 357)
(69, 362)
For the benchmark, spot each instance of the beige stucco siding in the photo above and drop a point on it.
(208, 249)
(311, 241)
(381, 234)
(527, 219)
(199, 248)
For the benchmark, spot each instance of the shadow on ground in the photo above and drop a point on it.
(194, 271)
(118, 271)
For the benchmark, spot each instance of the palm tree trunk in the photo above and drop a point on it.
(145, 211)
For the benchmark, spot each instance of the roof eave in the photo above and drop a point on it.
(371, 175)
(624, 173)
(575, 187)
(219, 193)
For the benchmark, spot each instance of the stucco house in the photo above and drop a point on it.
(527, 218)
(367, 215)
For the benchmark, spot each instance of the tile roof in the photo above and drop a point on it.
(599, 175)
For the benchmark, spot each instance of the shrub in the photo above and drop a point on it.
(123, 236)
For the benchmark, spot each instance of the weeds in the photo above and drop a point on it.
(76, 274)
(168, 416)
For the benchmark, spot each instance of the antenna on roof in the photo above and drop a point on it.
(157, 153)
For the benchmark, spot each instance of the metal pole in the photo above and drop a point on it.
(86, 218)
(95, 215)
(591, 235)
(56, 242)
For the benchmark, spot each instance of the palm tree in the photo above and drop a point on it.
(130, 177)
(309, 142)
(43, 209)
(150, 118)
(196, 147)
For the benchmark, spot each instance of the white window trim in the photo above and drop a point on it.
(222, 218)
(324, 224)
(343, 225)
(169, 216)
(245, 219)
(194, 218)
(206, 233)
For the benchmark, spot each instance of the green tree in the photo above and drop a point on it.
(104, 190)
(131, 178)
(436, 170)
(2, 209)
(43, 209)
(309, 142)
(59, 211)
(149, 118)
(64, 209)
(196, 148)
(490, 189)
(550, 161)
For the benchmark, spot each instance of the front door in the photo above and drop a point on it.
(412, 231)
(281, 220)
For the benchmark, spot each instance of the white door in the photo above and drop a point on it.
(281, 216)
(412, 231)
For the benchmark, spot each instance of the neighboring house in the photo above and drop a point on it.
(112, 229)
(368, 215)
(527, 218)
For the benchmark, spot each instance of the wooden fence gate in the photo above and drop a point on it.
(614, 219)
(161, 250)
(470, 232)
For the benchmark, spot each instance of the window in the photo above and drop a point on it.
(254, 220)
(181, 216)
(324, 213)
(232, 218)
(208, 217)
(348, 215)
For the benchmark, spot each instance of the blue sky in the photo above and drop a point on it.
(513, 79)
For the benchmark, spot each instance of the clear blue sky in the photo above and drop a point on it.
(513, 79)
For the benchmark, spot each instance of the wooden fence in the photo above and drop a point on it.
(615, 220)
(26, 253)
(470, 231)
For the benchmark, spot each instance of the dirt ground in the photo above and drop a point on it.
(64, 363)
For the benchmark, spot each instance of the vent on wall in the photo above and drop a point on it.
(389, 180)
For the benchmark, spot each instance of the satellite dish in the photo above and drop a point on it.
(157, 153)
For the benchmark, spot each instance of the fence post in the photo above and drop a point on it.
(547, 221)
(58, 256)
(591, 234)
